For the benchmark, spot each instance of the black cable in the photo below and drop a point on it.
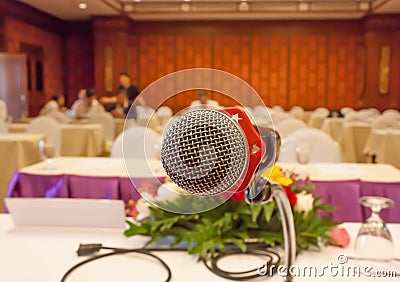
(272, 258)
(117, 251)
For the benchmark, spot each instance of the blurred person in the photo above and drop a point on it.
(203, 98)
(55, 108)
(86, 105)
(56, 104)
(120, 108)
(132, 92)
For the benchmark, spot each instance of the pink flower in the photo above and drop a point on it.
(340, 237)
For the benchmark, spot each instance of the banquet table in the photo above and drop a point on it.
(353, 139)
(81, 139)
(46, 253)
(119, 126)
(316, 121)
(385, 145)
(333, 127)
(17, 150)
(339, 184)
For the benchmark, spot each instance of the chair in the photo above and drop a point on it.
(288, 126)
(391, 111)
(346, 110)
(140, 143)
(321, 112)
(278, 117)
(59, 117)
(387, 121)
(297, 112)
(165, 114)
(262, 116)
(108, 123)
(146, 117)
(277, 108)
(323, 147)
(363, 116)
(261, 110)
(50, 129)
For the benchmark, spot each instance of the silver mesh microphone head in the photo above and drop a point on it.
(205, 152)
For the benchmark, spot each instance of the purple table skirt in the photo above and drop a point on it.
(86, 187)
(343, 195)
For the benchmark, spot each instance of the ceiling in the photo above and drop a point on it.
(216, 9)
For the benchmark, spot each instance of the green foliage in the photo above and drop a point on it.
(232, 222)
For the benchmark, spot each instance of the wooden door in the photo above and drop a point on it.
(34, 64)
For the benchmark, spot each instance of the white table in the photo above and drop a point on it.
(385, 145)
(45, 254)
(116, 167)
(353, 139)
(333, 127)
(17, 150)
(80, 139)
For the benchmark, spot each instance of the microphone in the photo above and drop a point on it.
(213, 151)
(207, 151)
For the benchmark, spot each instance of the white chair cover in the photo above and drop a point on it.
(277, 108)
(165, 114)
(261, 110)
(391, 111)
(387, 121)
(323, 147)
(297, 111)
(146, 117)
(278, 117)
(142, 143)
(346, 110)
(50, 129)
(262, 116)
(364, 116)
(108, 123)
(288, 126)
(321, 112)
(59, 117)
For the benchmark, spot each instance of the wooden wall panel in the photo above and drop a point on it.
(78, 66)
(19, 32)
(309, 69)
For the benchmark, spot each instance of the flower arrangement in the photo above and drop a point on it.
(235, 222)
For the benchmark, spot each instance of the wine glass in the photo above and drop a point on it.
(374, 241)
(46, 153)
(303, 156)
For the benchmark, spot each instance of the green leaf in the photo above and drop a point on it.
(268, 210)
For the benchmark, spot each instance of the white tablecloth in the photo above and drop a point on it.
(116, 167)
(385, 144)
(79, 139)
(97, 167)
(333, 127)
(45, 254)
(353, 139)
(17, 150)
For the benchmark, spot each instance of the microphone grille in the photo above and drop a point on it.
(204, 152)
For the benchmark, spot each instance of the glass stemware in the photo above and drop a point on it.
(46, 153)
(374, 241)
(303, 157)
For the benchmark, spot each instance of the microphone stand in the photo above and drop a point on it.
(256, 196)
(289, 234)
(276, 191)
